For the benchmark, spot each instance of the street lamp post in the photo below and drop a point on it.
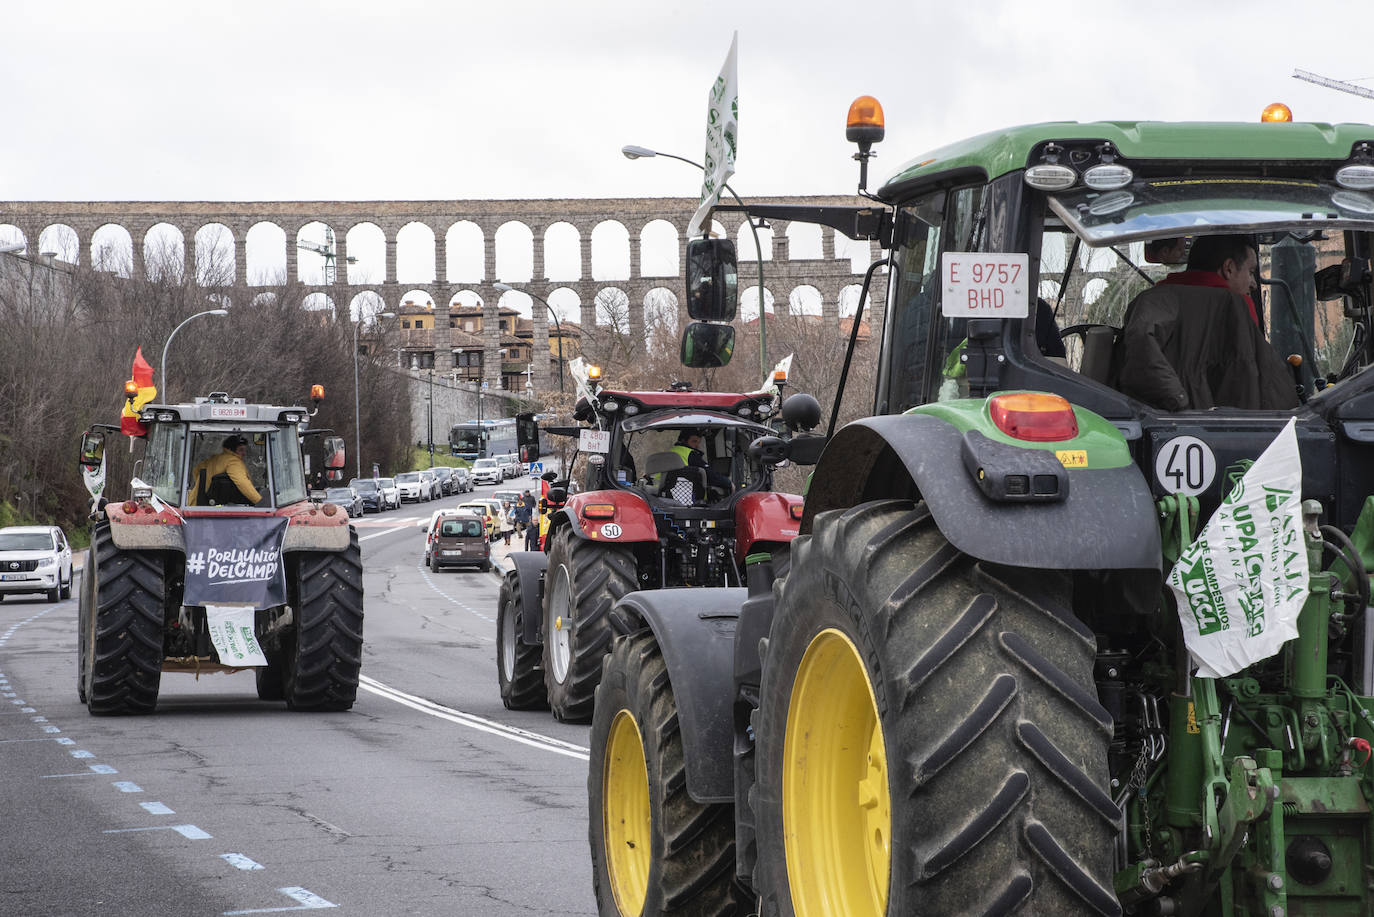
(643, 152)
(357, 422)
(162, 372)
(558, 326)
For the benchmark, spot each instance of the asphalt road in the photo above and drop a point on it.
(428, 797)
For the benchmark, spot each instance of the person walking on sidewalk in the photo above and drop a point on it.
(527, 503)
(507, 521)
(522, 519)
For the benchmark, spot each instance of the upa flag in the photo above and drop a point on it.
(722, 131)
(138, 391)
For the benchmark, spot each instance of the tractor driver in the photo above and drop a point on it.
(689, 443)
(223, 477)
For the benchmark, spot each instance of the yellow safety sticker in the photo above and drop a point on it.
(1072, 458)
(1192, 719)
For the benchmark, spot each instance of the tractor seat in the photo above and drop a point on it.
(1098, 342)
(660, 462)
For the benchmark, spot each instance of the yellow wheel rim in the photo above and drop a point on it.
(837, 814)
(625, 795)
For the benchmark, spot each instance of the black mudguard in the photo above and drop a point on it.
(1107, 522)
(529, 576)
(695, 629)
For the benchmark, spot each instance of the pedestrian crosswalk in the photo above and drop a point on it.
(388, 522)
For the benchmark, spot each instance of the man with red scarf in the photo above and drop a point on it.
(1194, 340)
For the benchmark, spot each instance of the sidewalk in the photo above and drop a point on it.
(500, 551)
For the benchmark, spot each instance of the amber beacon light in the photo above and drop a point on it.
(1275, 113)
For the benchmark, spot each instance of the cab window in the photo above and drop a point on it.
(162, 461)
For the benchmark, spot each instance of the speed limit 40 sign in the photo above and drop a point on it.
(1185, 465)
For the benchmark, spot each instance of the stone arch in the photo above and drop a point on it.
(611, 309)
(320, 302)
(265, 300)
(849, 299)
(662, 318)
(567, 304)
(804, 300)
(466, 299)
(316, 251)
(265, 254)
(659, 244)
(514, 252)
(365, 307)
(415, 253)
(13, 235)
(164, 253)
(749, 303)
(563, 252)
(216, 261)
(465, 252)
(518, 300)
(805, 242)
(366, 246)
(62, 241)
(744, 242)
(610, 251)
(112, 249)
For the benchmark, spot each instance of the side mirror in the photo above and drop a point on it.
(801, 412)
(707, 346)
(334, 457)
(712, 280)
(92, 450)
(768, 450)
(527, 437)
(806, 450)
(557, 496)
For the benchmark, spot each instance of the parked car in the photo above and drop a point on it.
(431, 484)
(444, 476)
(411, 487)
(346, 497)
(487, 471)
(489, 510)
(35, 558)
(458, 539)
(508, 496)
(462, 480)
(370, 493)
(390, 492)
(511, 467)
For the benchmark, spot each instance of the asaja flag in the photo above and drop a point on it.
(722, 132)
(139, 390)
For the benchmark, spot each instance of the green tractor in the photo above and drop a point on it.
(970, 686)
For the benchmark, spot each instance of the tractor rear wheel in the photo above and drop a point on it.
(122, 628)
(929, 735)
(327, 595)
(584, 579)
(517, 665)
(654, 849)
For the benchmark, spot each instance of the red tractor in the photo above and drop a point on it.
(219, 561)
(664, 490)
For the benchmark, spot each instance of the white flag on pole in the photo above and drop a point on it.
(722, 130)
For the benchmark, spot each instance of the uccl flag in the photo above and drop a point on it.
(722, 132)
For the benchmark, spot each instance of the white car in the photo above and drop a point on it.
(391, 494)
(411, 487)
(35, 558)
(510, 465)
(431, 484)
(487, 471)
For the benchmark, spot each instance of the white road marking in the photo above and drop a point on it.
(81, 753)
(95, 769)
(424, 571)
(239, 861)
(481, 724)
(65, 741)
(156, 808)
(190, 832)
(309, 901)
(124, 786)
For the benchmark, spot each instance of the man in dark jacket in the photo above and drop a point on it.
(1193, 341)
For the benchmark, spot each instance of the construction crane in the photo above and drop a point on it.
(1338, 85)
(326, 251)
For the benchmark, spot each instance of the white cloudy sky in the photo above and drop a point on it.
(398, 99)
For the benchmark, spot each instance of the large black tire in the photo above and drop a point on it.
(584, 580)
(271, 678)
(327, 595)
(689, 865)
(122, 628)
(517, 665)
(978, 691)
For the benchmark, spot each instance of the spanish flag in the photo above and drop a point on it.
(138, 391)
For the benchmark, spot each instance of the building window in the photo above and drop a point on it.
(419, 323)
(468, 327)
(452, 322)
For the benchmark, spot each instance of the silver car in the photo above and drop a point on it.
(391, 494)
(35, 558)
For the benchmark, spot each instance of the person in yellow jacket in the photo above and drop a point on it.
(688, 446)
(223, 477)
